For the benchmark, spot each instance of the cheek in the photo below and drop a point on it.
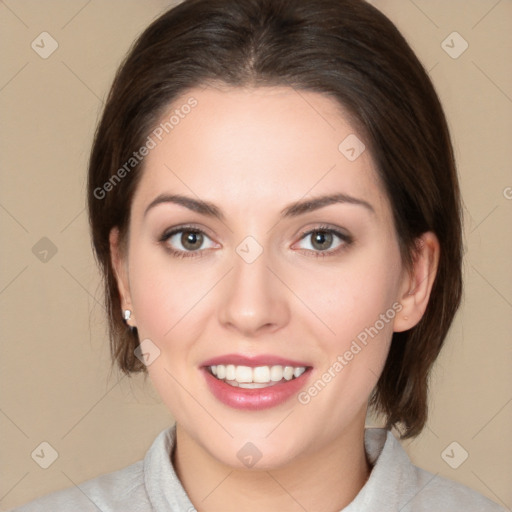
(170, 307)
(164, 294)
(356, 296)
(359, 307)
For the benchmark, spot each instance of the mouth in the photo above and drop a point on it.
(247, 377)
(254, 383)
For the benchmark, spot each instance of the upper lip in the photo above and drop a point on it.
(253, 361)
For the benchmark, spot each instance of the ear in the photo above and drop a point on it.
(120, 266)
(417, 283)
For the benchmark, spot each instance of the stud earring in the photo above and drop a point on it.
(127, 314)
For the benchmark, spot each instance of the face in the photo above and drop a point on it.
(229, 270)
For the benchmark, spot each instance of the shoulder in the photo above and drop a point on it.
(121, 490)
(149, 483)
(395, 483)
(424, 491)
(433, 491)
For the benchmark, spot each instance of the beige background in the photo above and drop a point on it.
(55, 380)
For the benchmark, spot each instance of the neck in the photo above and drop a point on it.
(328, 479)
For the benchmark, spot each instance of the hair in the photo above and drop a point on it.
(344, 49)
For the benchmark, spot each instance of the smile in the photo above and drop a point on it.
(254, 383)
(255, 378)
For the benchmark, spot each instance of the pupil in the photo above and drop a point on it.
(190, 240)
(322, 239)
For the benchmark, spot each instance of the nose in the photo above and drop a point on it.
(254, 301)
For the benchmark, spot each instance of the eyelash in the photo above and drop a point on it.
(346, 239)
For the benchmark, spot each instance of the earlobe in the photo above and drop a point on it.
(417, 284)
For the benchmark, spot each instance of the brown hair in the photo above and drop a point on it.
(345, 49)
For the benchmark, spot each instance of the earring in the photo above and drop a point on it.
(127, 314)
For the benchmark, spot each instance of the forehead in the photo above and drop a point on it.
(266, 146)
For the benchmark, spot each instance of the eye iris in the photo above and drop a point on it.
(191, 240)
(322, 240)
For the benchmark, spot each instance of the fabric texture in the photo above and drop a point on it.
(151, 485)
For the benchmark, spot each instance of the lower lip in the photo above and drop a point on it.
(255, 399)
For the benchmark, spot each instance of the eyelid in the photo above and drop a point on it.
(184, 227)
(325, 227)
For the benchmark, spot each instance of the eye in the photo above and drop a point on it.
(325, 240)
(186, 241)
(183, 240)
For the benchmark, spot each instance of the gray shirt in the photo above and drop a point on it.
(151, 484)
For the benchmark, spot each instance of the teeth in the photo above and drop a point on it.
(258, 377)
(230, 372)
(297, 372)
(251, 385)
(261, 374)
(221, 371)
(276, 373)
(243, 374)
(288, 372)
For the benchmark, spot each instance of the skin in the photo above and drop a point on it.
(253, 152)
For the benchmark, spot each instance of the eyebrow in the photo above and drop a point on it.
(292, 210)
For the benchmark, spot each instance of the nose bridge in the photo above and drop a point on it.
(253, 298)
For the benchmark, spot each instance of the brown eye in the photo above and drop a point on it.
(325, 241)
(191, 240)
(186, 241)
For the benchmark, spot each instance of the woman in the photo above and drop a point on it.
(275, 208)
